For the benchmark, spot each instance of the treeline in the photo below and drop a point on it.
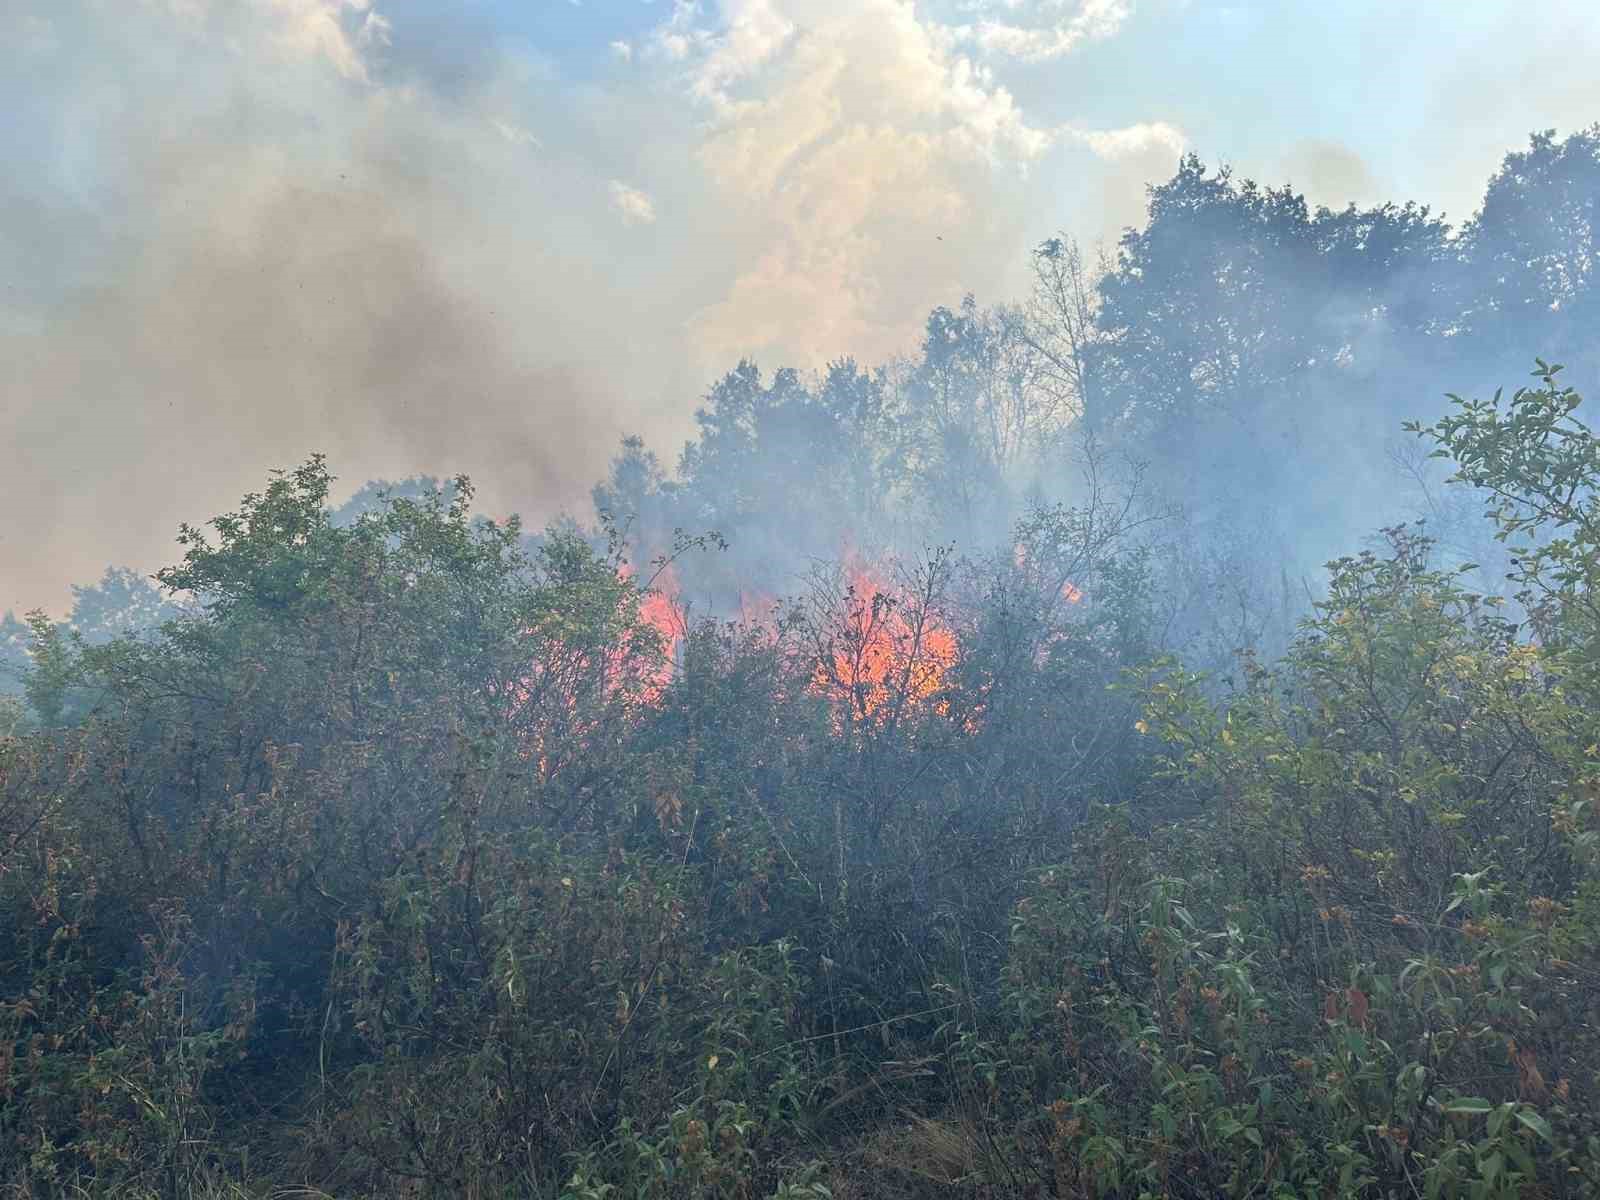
(417, 856)
(1247, 358)
(1255, 354)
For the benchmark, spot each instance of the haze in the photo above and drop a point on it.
(496, 236)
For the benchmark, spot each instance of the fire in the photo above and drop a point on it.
(1023, 561)
(880, 652)
(659, 607)
(659, 610)
(560, 678)
(885, 653)
(757, 608)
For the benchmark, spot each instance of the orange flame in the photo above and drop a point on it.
(558, 681)
(885, 654)
(660, 610)
(1070, 592)
(757, 608)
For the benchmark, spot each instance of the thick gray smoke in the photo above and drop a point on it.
(233, 259)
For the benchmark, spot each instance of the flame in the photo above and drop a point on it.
(659, 610)
(757, 609)
(1021, 559)
(884, 654)
(560, 724)
(659, 607)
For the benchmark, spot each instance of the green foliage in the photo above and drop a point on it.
(1537, 463)
(411, 862)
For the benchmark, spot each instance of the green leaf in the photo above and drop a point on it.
(1535, 1122)
(1491, 1166)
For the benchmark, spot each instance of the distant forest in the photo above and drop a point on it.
(1145, 742)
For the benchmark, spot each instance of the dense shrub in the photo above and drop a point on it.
(415, 862)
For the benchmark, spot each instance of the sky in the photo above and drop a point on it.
(494, 236)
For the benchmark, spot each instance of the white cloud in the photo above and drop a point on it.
(678, 35)
(341, 31)
(870, 162)
(875, 60)
(622, 50)
(1041, 30)
(755, 31)
(632, 205)
(1130, 140)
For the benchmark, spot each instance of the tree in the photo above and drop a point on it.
(352, 710)
(1532, 253)
(123, 604)
(1538, 467)
(637, 497)
(978, 408)
(1231, 312)
(784, 469)
(1062, 327)
(375, 493)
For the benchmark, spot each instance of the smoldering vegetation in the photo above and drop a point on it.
(1143, 742)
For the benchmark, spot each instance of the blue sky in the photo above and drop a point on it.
(495, 235)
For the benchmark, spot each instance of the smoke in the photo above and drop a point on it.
(1332, 174)
(251, 229)
(241, 250)
(234, 232)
